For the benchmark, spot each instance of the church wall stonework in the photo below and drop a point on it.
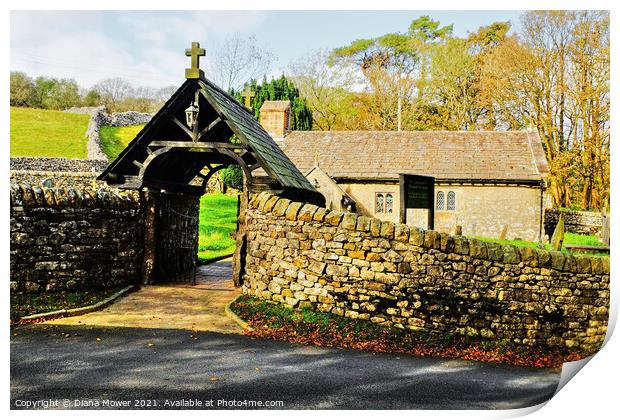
(485, 211)
(395, 274)
(481, 210)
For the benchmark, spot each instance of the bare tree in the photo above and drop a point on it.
(112, 91)
(238, 60)
(326, 88)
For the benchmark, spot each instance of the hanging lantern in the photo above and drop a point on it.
(191, 115)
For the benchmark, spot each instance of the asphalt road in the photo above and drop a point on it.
(68, 367)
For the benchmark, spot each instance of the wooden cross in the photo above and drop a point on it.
(248, 95)
(195, 52)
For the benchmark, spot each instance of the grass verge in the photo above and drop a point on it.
(569, 238)
(30, 304)
(46, 133)
(306, 326)
(115, 139)
(217, 223)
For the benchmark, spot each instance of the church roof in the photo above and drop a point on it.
(449, 155)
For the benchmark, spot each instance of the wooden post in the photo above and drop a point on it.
(150, 202)
(238, 262)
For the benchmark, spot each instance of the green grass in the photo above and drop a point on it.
(218, 220)
(115, 139)
(30, 304)
(577, 239)
(45, 133)
(569, 238)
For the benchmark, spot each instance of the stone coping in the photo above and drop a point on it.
(429, 239)
(92, 175)
(23, 194)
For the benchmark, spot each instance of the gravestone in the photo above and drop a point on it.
(558, 234)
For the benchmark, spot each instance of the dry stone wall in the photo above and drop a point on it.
(99, 117)
(92, 238)
(399, 275)
(69, 239)
(49, 179)
(44, 164)
(584, 222)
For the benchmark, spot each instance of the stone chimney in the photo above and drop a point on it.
(275, 117)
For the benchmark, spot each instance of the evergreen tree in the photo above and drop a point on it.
(280, 89)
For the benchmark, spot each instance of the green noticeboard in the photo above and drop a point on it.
(419, 194)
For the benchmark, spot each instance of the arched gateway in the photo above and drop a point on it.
(199, 130)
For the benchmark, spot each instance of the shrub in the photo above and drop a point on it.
(232, 177)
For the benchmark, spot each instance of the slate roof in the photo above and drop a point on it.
(466, 155)
(180, 167)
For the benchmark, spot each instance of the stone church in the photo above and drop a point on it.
(483, 183)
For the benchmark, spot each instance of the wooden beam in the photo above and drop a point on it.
(185, 129)
(173, 187)
(198, 145)
(209, 127)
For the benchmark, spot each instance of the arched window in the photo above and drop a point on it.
(389, 203)
(451, 200)
(441, 199)
(379, 201)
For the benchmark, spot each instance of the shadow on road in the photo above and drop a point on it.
(58, 362)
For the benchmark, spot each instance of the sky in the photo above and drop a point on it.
(147, 47)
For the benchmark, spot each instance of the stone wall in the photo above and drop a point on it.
(90, 238)
(57, 179)
(99, 117)
(584, 222)
(68, 239)
(395, 274)
(57, 172)
(481, 210)
(43, 164)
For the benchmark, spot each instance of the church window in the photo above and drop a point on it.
(451, 201)
(389, 203)
(441, 198)
(379, 203)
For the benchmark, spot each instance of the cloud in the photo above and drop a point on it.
(146, 48)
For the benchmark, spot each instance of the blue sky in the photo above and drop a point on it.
(147, 47)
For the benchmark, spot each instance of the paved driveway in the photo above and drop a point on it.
(197, 307)
(99, 364)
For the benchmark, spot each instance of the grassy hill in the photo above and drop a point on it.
(115, 139)
(45, 133)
